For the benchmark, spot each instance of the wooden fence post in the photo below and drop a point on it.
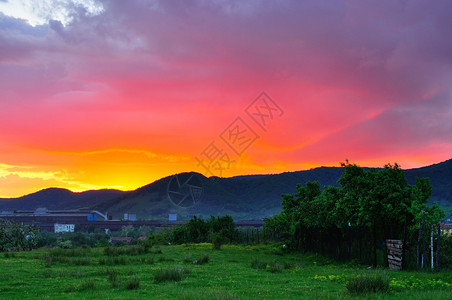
(423, 240)
(438, 241)
(431, 246)
(418, 245)
(404, 245)
(395, 254)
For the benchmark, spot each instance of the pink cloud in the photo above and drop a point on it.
(355, 79)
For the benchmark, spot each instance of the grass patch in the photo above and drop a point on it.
(47, 273)
(126, 250)
(235, 272)
(113, 277)
(258, 264)
(51, 259)
(188, 259)
(112, 261)
(174, 273)
(156, 251)
(162, 259)
(80, 261)
(272, 267)
(204, 259)
(146, 260)
(87, 285)
(70, 252)
(133, 283)
(9, 254)
(364, 284)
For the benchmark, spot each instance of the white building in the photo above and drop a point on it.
(64, 227)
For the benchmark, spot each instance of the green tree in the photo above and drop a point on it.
(370, 206)
(17, 237)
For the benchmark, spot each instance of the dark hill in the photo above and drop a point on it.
(56, 198)
(441, 179)
(243, 197)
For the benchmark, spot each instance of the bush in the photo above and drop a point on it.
(174, 273)
(198, 230)
(16, 237)
(376, 283)
(65, 244)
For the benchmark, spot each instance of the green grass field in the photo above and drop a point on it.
(234, 272)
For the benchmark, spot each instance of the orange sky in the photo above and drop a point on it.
(120, 94)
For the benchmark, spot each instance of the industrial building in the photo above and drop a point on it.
(66, 220)
(47, 219)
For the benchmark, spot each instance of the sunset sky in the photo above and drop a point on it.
(117, 94)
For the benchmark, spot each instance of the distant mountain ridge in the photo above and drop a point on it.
(243, 197)
(58, 198)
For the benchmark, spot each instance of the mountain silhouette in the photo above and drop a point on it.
(187, 194)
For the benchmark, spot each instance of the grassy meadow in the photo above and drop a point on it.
(198, 272)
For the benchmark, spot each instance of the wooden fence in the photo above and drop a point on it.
(395, 251)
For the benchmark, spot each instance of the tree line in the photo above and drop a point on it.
(353, 221)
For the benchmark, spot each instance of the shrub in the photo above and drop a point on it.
(174, 273)
(376, 283)
(65, 244)
(133, 283)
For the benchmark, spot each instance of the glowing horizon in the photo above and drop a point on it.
(112, 94)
